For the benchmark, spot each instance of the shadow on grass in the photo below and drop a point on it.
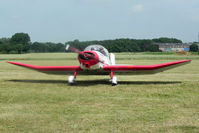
(96, 82)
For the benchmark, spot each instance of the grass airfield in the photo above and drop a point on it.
(40, 103)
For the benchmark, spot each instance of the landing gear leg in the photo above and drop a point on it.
(72, 78)
(113, 79)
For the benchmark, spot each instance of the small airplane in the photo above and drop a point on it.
(96, 60)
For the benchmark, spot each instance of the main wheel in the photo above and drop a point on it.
(71, 80)
(114, 81)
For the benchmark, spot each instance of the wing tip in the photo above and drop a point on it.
(11, 62)
(187, 60)
(23, 65)
(15, 63)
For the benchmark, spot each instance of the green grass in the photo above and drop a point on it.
(159, 53)
(36, 102)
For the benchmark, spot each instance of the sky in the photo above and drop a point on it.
(67, 20)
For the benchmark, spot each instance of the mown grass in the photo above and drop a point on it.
(36, 102)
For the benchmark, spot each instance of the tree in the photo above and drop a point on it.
(193, 47)
(21, 42)
(19, 48)
(36, 47)
(144, 44)
(153, 48)
(20, 38)
(5, 40)
(5, 48)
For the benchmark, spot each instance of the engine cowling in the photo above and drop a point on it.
(88, 58)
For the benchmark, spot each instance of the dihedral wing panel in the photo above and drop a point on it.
(144, 69)
(57, 70)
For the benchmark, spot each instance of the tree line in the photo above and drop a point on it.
(21, 43)
(126, 45)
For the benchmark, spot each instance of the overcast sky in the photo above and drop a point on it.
(65, 20)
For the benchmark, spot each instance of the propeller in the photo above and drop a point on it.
(86, 55)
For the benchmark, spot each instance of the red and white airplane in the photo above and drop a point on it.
(96, 60)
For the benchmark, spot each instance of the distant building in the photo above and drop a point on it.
(173, 47)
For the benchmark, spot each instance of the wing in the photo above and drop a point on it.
(144, 69)
(59, 70)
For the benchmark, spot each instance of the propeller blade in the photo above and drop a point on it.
(72, 49)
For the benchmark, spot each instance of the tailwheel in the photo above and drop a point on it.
(114, 81)
(71, 80)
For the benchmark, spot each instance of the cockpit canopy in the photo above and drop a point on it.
(98, 48)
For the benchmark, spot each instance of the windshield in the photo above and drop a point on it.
(98, 48)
